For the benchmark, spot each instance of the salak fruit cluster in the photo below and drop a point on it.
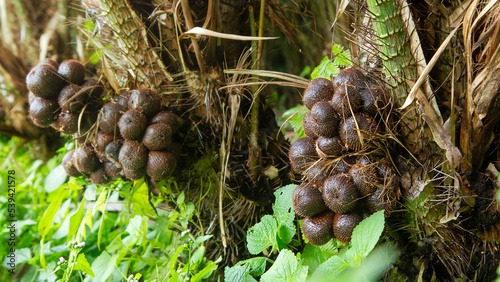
(343, 182)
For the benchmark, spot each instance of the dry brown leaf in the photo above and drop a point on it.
(203, 31)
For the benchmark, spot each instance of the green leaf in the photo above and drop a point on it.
(330, 269)
(283, 212)
(325, 69)
(238, 273)
(55, 179)
(262, 235)
(312, 257)
(205, 272)
(90, 192)
(285, 268)
(48, 216)
(83, 265)
(366, 235)
(104, 265)
(140, 201)
(202, 239)
(75, 221)
(329, 249)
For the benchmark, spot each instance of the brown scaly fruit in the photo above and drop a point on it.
(324, 115)
(329, 147)
(158, 136)
(382, 199)
(100, 143)
(67, 123)
(72, 71)
(374, 99)
(340, 193)
(169, 118)
(85, 159)
(318, 89)
(67, 163)
(122, 99)
(365, 178)
(318, 229)
(350, 76)
(132, 125)
(49, 61)
(70, 99)
(307, 200)
(302, 153)
(343, 225)
(318, 172)
(134, 174)
(160, 164)
(346, 100)
(133, 155)
(99, 176)
(44, 81)
(341, 166)
(92, 88)
(43, 111)
(112, 170)
(112, 151)
(310, 126)
(349, 130)
(110, 115)
(145, 100)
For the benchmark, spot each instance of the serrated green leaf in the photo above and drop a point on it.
(312, 257)
(75, 221)
(286, 268)
(140, 201)
(330, 269)
(325, 69)
(283, 212)
(238, 273)
(83, 265)
(329, 249)
(366, 235)
(262, 235)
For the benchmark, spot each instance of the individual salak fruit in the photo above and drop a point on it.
(67, 164)
(44, 81)
(70, 99)
(318, 89)
(158, 136)
(307, 200)
(112, 151)
(382, 199)
(353, 130)
(132, 125)
(145, 100)
(134, 174)
(343, 225)
(365, 178)
(100, 143)
(92, 88)
(72, 71)
(318, 172)
(302, 153)
(122, 99)
(325, 116)
(85, 159)
(160, 164)
(318, 229)
(169, 118)
(346, 100)
(110, 115)
(329, 146)
(133, 155)
(49, 61)
(374, 99)
(99, 176)
(310, 126)
(340, 193)
(112, 170)
(43, 111)
(350, 76)
(67, 123)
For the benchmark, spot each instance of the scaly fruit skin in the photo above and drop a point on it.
(43, 112)
(72, 71)
(307, 200)
(85, 159)
(349, 133)
(157, 137)
(318, 172)
(67, 123)
(350, 76)
(318, 229)
(343, 224)
(325, 116)
(133, 155)
(146, 101)
(302, 153)
(310, 126)
(132, 125)
(110, 115)
(44, 82)
(70, 100)
(365, 178)
(346, 100)
(167, 117)
(329, 147)
(318, 89)
(160, 164)
(340, 193)
(67, 164)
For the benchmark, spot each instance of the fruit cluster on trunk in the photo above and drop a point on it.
(343, 181)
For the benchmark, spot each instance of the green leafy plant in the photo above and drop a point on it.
(358, 261)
